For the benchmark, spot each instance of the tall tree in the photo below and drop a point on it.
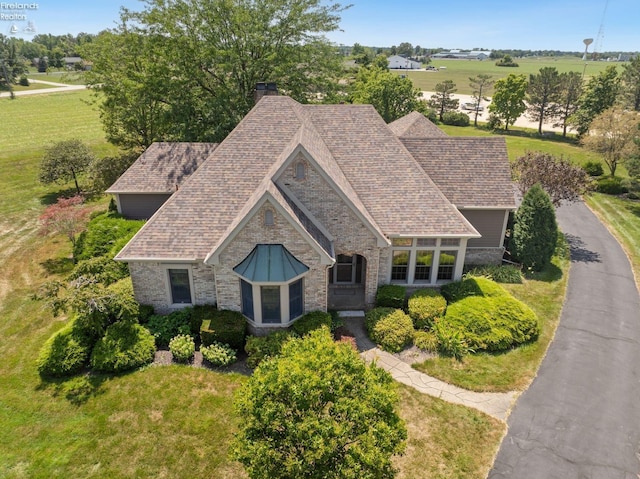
(508, 100)
(570, 90)
(214, 52)
(535, 231)
(442, 101)
(614, 134)
(318, 411)
(630, 89)
(390, 94)
(65, 161)
(405, 49)
(599, 94)
(480, 86)
(543, 94)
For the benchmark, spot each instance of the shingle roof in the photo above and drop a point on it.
(415, 125)
(351, 143)
(471, 172)
(162, 168)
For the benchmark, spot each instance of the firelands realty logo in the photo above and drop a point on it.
(18, 12)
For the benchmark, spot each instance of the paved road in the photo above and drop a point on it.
(580, 419)
(56, 88)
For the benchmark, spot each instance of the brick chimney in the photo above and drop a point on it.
(263, 89)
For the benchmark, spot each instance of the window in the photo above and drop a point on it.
(180, 286)
(400, 266)
(344, 272)
(446, 265)
(246, 290)
(295, 299)
(301, 173)
(268, 218)
(424, 260)
(426, 242)
(402, 241)
(270, 298)
(450, 242)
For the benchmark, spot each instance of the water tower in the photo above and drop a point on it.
(587, 42)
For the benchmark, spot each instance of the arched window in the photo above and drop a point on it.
(301, 173)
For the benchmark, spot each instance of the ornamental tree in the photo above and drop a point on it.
(318, 411)
(66, 217)
(556, 175)
(535, 230)
(64, 161)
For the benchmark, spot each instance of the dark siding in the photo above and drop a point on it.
(141, 207)
(489, 224)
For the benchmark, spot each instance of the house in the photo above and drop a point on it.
(398, 62)
(312, 207)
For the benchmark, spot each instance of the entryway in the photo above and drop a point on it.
(347, 283)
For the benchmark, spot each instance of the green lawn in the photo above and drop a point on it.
(459, 71)
(170, 422)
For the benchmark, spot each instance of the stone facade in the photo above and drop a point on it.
(282, 232)
(351, 235)
(151, 284)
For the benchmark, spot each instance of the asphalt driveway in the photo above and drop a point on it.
(580, 419)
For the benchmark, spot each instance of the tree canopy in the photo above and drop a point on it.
(630, 88)
(391, 95)
(442, 101)
(197, 62)
(64, 161)
(508, 99)
(570, 90)
(543, 94)
(614, 134)
(318, 411)
(599, 94)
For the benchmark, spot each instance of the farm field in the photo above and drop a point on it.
(459, 71)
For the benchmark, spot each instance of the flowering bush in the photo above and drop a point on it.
(218, 354)
(182, 347)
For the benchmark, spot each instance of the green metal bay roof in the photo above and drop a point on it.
(271, 263)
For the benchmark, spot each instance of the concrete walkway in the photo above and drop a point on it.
(497, 405)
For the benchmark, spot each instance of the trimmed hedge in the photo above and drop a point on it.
(259, 348)
(425, 307)
(499, 273)
(391, 296)
(218, 354)
(224, 326)
(455, 118)
(182, 347)
(611, 185)
(491, 323)
(391, 329)
(593, 168)
(471, 286)
(311, 321)
(66, 352)
(105, 233)
(124, 346)
(163, 328)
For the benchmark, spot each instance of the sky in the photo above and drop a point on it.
(460, 24)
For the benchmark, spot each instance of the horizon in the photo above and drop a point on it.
(374, 23)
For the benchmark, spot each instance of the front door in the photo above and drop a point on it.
(346, 282)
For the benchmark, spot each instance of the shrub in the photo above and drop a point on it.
(494, 122)
(391, 331)
(455, 118)
(471, 286)
(218, 354)
(451, 342)
(491, 323)
(374, 315)
(199, 314)
(182, 348)
(259, 348)
(535, 230)
(97, 306)
(64, 353)
(227, 327)
(311, 321)
(101, 269)
(425, 306)
(24, 81)
(593, 168)
(426, 340)
(391, 296)
(611, 185)
(163, 328)
(103, 232)
(499, 273)
(146, 311)
(124, 346)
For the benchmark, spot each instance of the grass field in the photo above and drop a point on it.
(169, 422)
(459, 71)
